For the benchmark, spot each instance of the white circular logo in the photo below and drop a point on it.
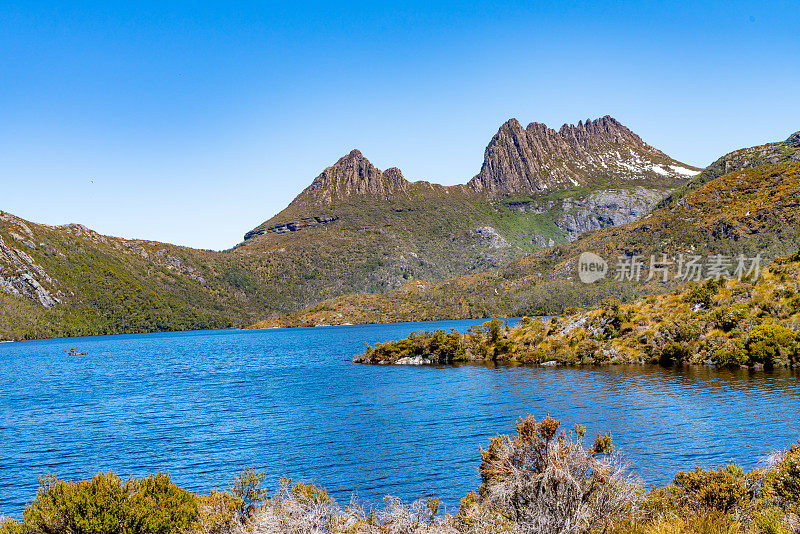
(591, 267)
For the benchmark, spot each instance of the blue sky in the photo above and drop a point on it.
(193, 122)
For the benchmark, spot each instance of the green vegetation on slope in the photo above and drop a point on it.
(745, 158)
(752, 211)
(397, 253)
(99, 285)
(720, 322)
(107, 285)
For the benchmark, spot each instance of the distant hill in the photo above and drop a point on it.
(356, 229)
(748, 202)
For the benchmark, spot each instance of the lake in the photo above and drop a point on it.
(203, 405)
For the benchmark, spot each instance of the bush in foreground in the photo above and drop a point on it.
(548, 481)
(541, 480)
(107, 503)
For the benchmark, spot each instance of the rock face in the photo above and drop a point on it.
(491, 237)
(794, 141)
(537, 158)
(293, 226)
(353, 174)
(21, 275)
(605, 208)
(521, 161)
(597, 155)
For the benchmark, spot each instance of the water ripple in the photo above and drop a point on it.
(202, 405)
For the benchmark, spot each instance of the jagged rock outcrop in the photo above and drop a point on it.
(353, 174)
(794, 141)
(537, 158)
(491, 237)
(292, 226)
(518, 162)
(543, 241)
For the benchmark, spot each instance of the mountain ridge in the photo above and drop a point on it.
(538, 158)
(532, 162)
(751, 209)
(354, 229)
(517, 160)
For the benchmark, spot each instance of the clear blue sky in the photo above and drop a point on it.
(198, 121)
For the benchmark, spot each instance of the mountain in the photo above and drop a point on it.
(601, 152)
(357, 228)
(69, 280)
(354, 175)
(354, 229)
(746, 203)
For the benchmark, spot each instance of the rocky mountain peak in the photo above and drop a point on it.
(394, 174)
(353, 174)
(538, 158)
(793, 140)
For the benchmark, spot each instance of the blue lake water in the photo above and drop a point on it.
(202, 405)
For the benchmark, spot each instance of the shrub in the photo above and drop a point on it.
(107, 504)
(728, 318)
(681, 328)
(730, 355)
(772, 344)
(675, 352)
(588, 350)
(611, 318)
(724, 490)
(783, 482)
(477, 518)
(546, 481)
(218, 513)
(703, 294)
(794, 304)
(12, 526)
(247, 491)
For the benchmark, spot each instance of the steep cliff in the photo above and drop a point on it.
(598, 152)
(353, 174)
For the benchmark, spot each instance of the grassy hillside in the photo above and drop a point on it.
(377, 242)
(105, 285)
(749, 322)
(745, 158)
(751, 211)
(69, 281)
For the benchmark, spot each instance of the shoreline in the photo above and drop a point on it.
(540, 451)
